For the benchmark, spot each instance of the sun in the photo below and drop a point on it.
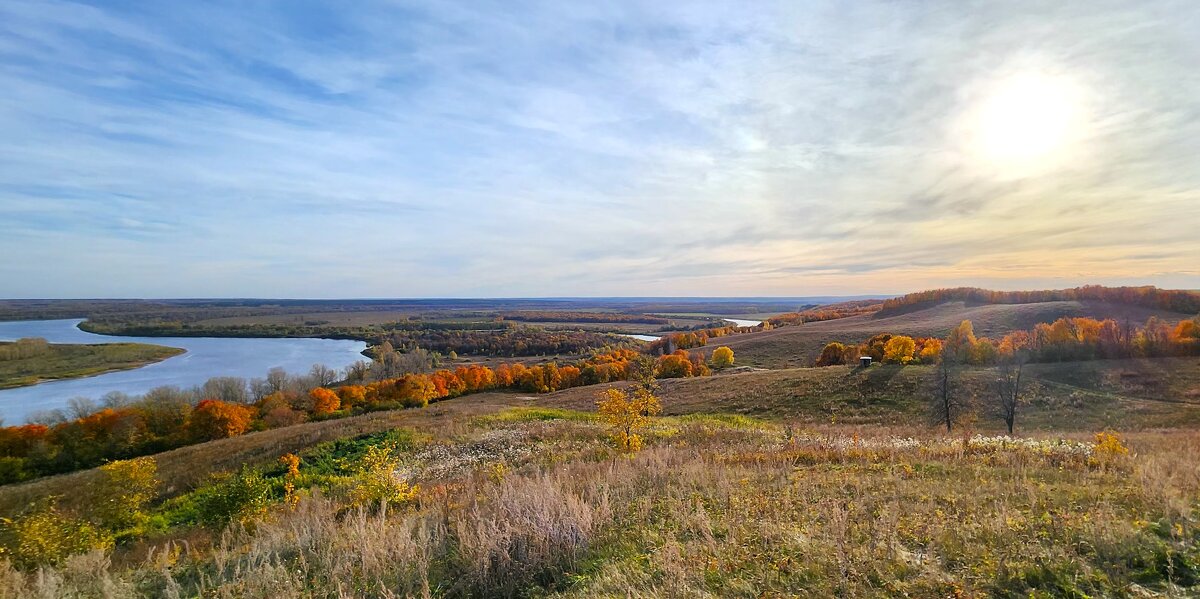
(1025, 124)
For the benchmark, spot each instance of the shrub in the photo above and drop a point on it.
(626, 415)
(44, 535)
(124, 489)
(292, 462)
(375, 480)
(833, 354)
(1109, 450)
(722, 357)
(227, 498)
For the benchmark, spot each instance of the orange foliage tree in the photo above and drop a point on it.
(324, 401)
(216, 419)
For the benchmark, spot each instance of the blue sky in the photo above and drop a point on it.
(395, 149)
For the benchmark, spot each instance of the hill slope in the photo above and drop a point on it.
(793, 346)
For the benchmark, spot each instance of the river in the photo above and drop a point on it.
(206, 357)
(744, 323)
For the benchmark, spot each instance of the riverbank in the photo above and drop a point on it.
(50, 362)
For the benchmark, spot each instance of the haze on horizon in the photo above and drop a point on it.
(422, 149)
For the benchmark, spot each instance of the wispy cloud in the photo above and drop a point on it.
(537, 148)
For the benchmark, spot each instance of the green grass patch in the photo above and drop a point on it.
(228, 496)
(737, 421)
(538, 414)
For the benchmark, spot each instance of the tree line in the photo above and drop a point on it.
(1066, 339)
(504, 340)
(564, 316)
(828, 312)
(1174, 300)
(123, 427)
(668, 344)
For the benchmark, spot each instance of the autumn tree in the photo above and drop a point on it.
(960, 343)
(899, 350)
(216, 419)
(833, 354)
(874, 346)
(627, 415)
(375, 481)
(722, 357)
(122, 492)
(324, 401)
(930, 351)
(675, 365)
(291, 462)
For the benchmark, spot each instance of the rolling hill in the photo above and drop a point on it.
(797, 346)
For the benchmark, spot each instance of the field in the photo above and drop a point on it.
(61, 361)
(766, 479)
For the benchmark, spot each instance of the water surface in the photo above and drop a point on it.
(206, 357)
(744, 323)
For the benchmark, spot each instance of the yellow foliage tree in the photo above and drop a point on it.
(124, 489)
(960, 343)
(722, 357)
(375, 479)
(46, 536)
(1108, 450)
(931, 351)
(899, 350)
(626, 415)
(292, 461)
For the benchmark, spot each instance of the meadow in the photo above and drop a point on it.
(533, 501)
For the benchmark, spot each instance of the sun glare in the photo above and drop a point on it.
(1025, 124)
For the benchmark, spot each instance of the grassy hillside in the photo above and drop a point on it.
(785, 482)
(537, 502)
(793, 346)
(62, 361)
(1073, 397)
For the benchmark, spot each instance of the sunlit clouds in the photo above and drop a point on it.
(386, 149)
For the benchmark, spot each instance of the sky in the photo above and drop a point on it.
(526, 149)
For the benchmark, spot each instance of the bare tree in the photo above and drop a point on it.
(1008, 386)
(642, 371)
(226, 388)
(358, 371)
(390, 364)
(260, 388)
(949, 401)
(81, 407)
(942, 405)
(277, 378)
(323, 375)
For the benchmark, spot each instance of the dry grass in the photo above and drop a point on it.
(1073, 396)
(716, 506)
